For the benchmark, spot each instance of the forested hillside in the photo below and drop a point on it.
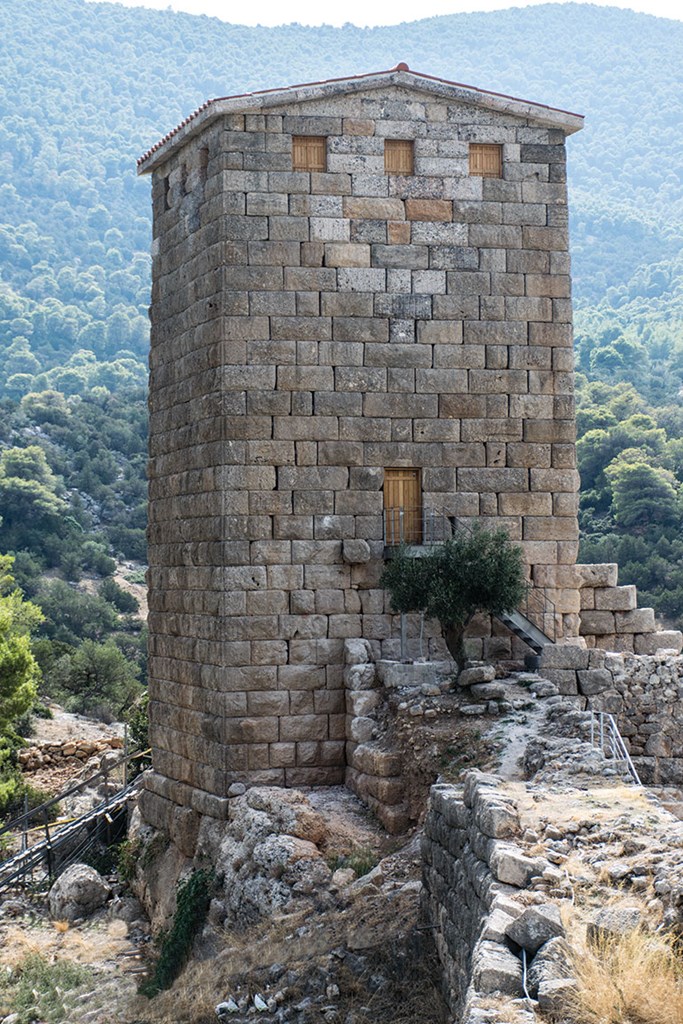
(86, 87)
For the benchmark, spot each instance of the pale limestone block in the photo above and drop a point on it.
(640, 620)
(598, 622)
(616, 598)
(347, 255)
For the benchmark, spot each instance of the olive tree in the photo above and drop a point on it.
(477, 571)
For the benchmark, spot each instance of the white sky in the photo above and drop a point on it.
(360, 12)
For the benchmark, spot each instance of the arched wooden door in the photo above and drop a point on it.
(402, 506)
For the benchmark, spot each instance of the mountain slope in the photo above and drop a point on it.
(86, 87)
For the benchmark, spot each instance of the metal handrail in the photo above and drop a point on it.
(424, 527)
(42, 810)
(606, 736)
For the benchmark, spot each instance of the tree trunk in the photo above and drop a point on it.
(454, 635)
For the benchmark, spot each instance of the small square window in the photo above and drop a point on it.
(309, 152)
(399, 156)
(486, 160)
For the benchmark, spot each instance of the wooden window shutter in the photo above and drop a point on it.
(486, 160)
(399, 156)
(309, 152)
(402, 506)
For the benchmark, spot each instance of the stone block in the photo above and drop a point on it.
(650, 643)
(348, 254)
(564, 656)
(513, 867)
(598, 623)
(594, 681)
(357, 208)
(616, 598)
(598, 574)
(496, 969)
(429, 209)
(303, 728)
(564, 679)
(640, 620)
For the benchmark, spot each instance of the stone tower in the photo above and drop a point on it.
(361, 325)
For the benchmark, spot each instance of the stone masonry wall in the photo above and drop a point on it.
(643, 692)
(310, 330)
(471, 868)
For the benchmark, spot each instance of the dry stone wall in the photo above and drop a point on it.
(309, 330)
(643, 692)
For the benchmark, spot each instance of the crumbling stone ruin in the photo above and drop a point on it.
(361, 334)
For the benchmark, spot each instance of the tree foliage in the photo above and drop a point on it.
(19, 671)
(481, 571)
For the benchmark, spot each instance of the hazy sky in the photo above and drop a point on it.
(360, 12)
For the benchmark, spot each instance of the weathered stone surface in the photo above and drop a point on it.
(77, 893)
(509, 865)
(311, 330)
(613, 921)
(496, 969)
(478, 674)
(536, 926)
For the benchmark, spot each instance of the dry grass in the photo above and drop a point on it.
(54, 941)
(378, 928)
(633, 978)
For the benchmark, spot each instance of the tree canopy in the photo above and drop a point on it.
(477, 571)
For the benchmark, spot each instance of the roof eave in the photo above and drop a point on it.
(540, 114)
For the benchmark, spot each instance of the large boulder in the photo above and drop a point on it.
(77, 893)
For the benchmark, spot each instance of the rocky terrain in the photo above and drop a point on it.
(317, 914)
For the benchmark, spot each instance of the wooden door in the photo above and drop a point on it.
(402, 506)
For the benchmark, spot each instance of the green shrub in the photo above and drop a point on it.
(361, 860)
(127, 857)
(120, 598)
(41, 991)
(192, 904)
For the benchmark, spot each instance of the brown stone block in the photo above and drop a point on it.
(485, 429)
(308, 753)
(498, 382)
(525, 505)
(540, 552)
(252, 730)
(282, 755)
(564, 456)
(268, 652)
(328, 184)
(304, 728)
(258, 757)
(550, 431)
(462, 406)
(349, 254)
(398, 233)
(358, 126)
(554, 480)
(333, 776)
(493, 332)
(551, 528)
(267, 602)
(373, 208)
(269, 704)
(429, 209)
(640, 620)
(616, 598)
(492, 479)
(550, 334)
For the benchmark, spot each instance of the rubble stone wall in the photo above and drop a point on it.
(643, 692)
